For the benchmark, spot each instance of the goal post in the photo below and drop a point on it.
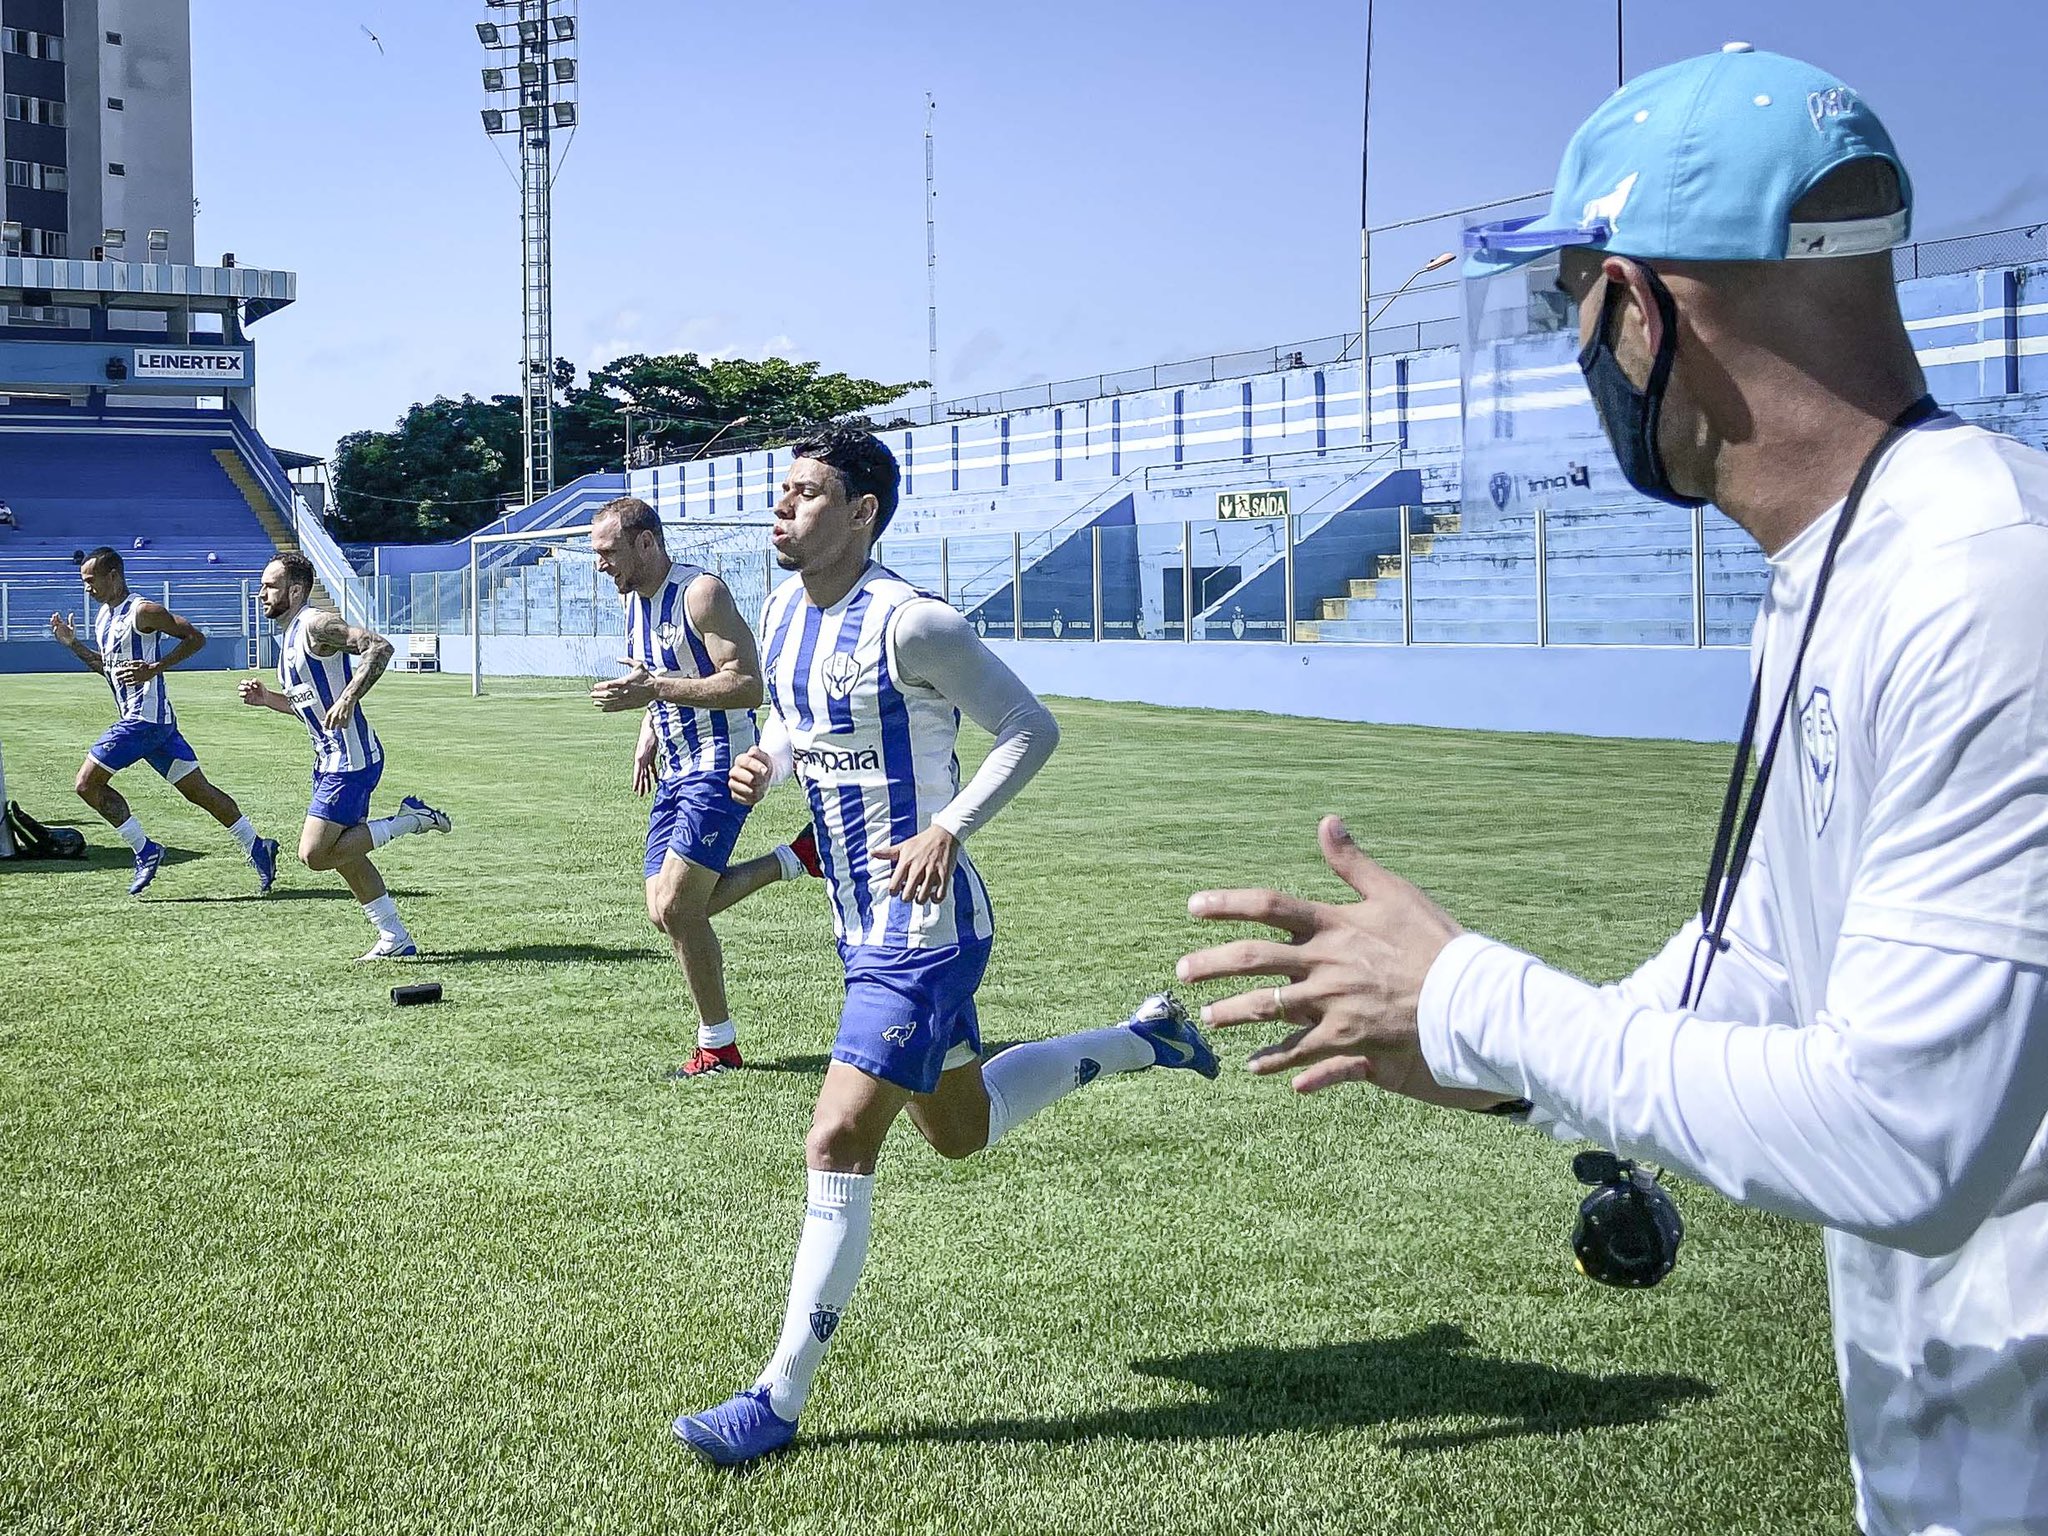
(541, 617)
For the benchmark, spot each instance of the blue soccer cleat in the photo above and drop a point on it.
(437, 821)
(148, 860)
(264, 857)
(741, 1429)
(1163, 1024)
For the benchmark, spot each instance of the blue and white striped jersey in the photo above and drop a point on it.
(660, 636)
(313, 683)
(875, 755)
(119, 641)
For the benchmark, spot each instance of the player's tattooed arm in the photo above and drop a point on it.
(156, 619)
(62, 628)
(329, 634)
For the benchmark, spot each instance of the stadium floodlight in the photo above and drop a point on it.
(565, 114)
(529, 34)
(529, 117)
(494, 121)
(565, 70)
(494, 80)
(565, 28)
(487, 34)
(529, 73)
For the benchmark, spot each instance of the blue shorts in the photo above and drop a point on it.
(909, 1013)
(695, 817)
(128, 742)
(344, 798)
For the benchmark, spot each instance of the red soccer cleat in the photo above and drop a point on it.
(708, 1061)
(805, 846)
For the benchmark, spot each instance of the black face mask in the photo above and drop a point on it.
(1628, 414)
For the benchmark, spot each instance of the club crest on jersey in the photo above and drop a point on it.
(1821, 739)
(840, 672)
(665, 632)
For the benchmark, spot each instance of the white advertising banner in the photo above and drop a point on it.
(192, 365)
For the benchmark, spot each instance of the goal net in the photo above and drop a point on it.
(546, 620)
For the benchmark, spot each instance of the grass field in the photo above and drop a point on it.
(276, 1257)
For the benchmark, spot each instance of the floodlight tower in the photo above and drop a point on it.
(531, 87)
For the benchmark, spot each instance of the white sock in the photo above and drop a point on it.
(383, 912)
(244, 834)
(714, 1036)
(131, 833)
(792, 866)
(386, 828)
(829, 1256)
(1026, 1078)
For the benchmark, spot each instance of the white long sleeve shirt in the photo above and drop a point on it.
(932, 646)
(1871, 1054)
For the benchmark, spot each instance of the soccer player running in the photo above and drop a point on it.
(696, 672)
(326, 666)
(867, 680)
(1855, 1030)
(131, 631)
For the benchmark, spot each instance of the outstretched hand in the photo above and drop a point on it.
(1352, 975)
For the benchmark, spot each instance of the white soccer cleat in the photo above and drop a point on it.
(388, 948)
(434, 821)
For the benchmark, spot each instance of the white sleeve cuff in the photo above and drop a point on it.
(1436, 1017)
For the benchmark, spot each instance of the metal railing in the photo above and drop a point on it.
(1923, 258)
(224, 608)
(1395, 576)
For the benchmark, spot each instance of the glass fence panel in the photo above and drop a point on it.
(1237, 578)
(1617, 576)
(1058, 585)
(1123, 584)
(1347, 575)
(1733, 578)
(979, 571)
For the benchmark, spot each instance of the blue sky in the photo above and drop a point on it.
(1121, 183)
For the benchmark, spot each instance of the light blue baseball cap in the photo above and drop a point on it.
(1703, 160)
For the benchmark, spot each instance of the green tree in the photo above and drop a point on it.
(450, 464)
(443, 471)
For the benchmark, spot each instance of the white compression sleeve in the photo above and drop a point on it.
(777, 748)
(932, 645)
(1900, 1117)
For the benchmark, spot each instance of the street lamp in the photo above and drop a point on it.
(1435, 263)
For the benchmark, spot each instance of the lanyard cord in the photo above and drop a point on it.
(1737, 828)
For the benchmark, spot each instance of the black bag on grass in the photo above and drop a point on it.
(33, 840)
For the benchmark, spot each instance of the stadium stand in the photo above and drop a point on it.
(191, 485)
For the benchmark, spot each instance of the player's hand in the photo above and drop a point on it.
(252, 691)
(751, 775)
(633, 691)
(643, 769)
(923, 864)
(1353, 977)
(133, 674)
(61, 627)
(343, 711)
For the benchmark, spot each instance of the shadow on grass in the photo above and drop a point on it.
(595, 953)
(98, 857)
(281, 893)
(1419, 1378)
(815, 1065)
(796, 1066)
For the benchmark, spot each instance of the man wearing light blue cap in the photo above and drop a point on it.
(1854, 1031)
